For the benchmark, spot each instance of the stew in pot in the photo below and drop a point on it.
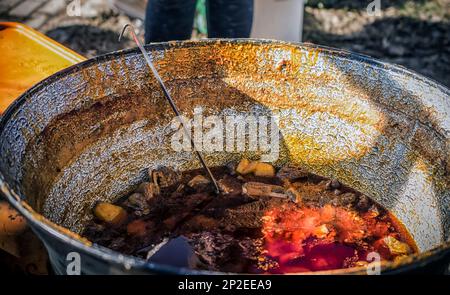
(264, 221)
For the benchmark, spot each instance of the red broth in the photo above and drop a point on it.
(325, 238)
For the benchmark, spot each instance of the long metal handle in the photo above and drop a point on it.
(171, 102)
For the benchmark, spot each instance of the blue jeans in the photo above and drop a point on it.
(173, 19)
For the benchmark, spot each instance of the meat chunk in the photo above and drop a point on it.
(164, 176)
(258, 189)
(333, 184)
(289, 174)
(200, 223)
(138, 202)
(199, 183)
(137, 228)
(230, 185)
(149, 190)
(363, 203)
(182, 208)
(345, 199)
(231, 168)
(294, 195)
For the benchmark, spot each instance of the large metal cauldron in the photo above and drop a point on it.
(87, 134)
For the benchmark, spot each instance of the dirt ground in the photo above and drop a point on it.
(415, 34)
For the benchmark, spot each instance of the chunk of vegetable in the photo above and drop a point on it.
(250, 167)
(242, 165)
(110, 213)
(255, 167)
(246, 167)
(396, 247)
(264, 169)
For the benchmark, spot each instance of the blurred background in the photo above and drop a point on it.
(415, 34)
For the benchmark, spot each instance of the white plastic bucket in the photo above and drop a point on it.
(278, 19)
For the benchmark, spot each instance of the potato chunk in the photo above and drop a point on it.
(250, 167)
(264, 169)
(255, 167)
(243, 167)
(110, 213)
(396, 247)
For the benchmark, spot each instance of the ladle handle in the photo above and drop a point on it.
(171, 102)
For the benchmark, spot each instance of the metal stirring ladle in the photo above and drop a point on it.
(171, 102)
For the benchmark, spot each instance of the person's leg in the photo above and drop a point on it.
(169, 20)
(229, 18)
